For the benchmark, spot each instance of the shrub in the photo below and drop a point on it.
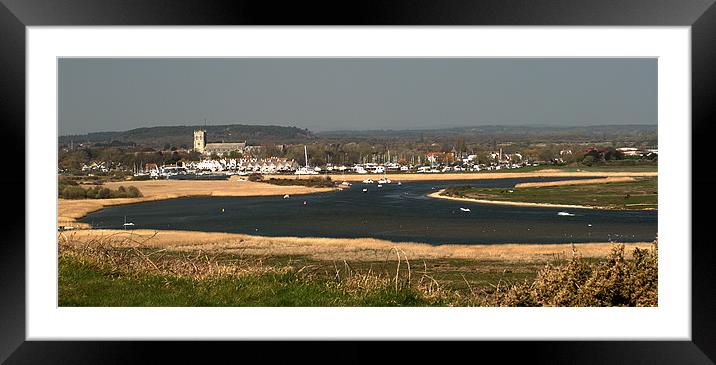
(73, 192)
(255, 177)
(614, 282)
(103, 193)
(97, 192)
(133, 192)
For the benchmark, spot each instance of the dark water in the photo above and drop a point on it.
(397, 213)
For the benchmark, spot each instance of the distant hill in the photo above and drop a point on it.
(549, 134)
(157, 137)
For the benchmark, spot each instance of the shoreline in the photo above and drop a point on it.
(336, 249)
(503, 202)
(472, 175)
(70, 210)
(601, 180)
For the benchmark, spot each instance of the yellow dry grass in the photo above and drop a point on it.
(353, 249)
(71, 210)
(477, 175)
(610, 179)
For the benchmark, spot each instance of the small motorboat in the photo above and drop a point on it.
(286, 196)
(565, 214)
(127, 224)
(400, 183)
(365, 190)
(368, 181)
(346, 183)
(380, 186)
(465, 209)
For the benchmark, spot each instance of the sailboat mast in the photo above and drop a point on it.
(305, 151)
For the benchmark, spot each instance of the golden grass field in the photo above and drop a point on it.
(333, 249)
(604, 180)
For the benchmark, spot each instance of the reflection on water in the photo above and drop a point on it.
(393, 212)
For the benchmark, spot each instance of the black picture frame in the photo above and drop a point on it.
(700, 15)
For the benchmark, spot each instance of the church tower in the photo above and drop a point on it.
(199, 140)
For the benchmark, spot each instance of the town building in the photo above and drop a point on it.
(219, 148)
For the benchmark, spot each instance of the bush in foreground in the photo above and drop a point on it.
(613, 282)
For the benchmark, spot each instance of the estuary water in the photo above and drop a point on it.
(393, 212)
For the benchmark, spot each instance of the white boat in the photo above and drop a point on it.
(384, 181)
(380, 186)
(365, 190)
(400, 183)
(306, 170)
(465, 209)
(127, 224)
(566, 214)
(286, 196)
(346, 183)
(368, 181)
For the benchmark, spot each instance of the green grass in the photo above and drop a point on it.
(86, 281)
(108, 276)
(639, 194)
(85, 284)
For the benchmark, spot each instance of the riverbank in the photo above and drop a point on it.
(487, 175)
(332, 249)
(602, 180)
(614, 193)
(438, 195)
(70, 210)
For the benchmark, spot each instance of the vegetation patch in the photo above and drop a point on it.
(99, 274)
(69, 189)
(642, 193)
(613, 282)
(312, 182)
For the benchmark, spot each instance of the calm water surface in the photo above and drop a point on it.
(393, 212)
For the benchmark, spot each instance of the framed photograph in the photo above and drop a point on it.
(395, 173)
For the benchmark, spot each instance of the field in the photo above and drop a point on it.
(641, 193)
(120, 268)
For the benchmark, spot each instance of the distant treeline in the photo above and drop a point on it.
(69, 189)
(515, 134)
(182, 136)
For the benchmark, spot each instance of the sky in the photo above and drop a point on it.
(326, 94)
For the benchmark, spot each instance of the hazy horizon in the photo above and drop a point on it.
(330, 94)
